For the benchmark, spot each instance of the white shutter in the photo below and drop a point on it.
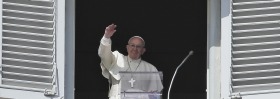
(28, 45)
(255, 46)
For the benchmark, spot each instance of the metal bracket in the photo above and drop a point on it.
(42, 0)
(236, 96)
(49, 92)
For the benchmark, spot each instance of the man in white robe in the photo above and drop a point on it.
(114, 62)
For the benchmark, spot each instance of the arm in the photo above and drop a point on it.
(104, 50)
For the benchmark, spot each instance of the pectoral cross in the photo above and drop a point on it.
(131, 82)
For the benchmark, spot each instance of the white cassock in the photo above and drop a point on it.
(114, 62)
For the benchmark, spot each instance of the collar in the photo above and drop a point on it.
(133, 60)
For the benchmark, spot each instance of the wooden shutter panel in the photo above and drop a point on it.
(255, 45)
(28, 45)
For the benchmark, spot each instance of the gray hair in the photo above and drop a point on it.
(143, 41)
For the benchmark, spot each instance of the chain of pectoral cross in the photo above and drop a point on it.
(131, 81)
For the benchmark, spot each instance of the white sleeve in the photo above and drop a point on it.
(105, 53)
(106, 41)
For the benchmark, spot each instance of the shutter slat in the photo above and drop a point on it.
(252, 58)
(26, 12)
(256, 23)
(256, 16)
(28, 37)
(31, 82)
(27, 5)
(27, 54)
(27, 33)
(28, 61)
(43, 0)
(27, 19)
(29, 16)
(27, 40)
(253, 81)
(255, 30)
(27, 26)
(28, 68)
(49, 4)
(254, 44)
(254, 2)
(256, 9)
(255, 71)
(27, 64)
(27, 47)
(27, 57)
(253, 37)
(256, 64)
(27, 75)
(254, 51)
(21, 84)
(27, 43)
(246, 88)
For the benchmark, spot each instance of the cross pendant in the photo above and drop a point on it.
(131, 82)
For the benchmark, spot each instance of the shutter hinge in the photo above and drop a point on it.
(49, 92)
(236, 96)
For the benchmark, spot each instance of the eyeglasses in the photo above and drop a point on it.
(135, 46)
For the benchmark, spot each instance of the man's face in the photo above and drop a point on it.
(135, 48)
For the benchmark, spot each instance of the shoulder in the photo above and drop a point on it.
(117, 54)
(149, 65)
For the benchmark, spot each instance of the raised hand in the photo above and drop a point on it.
(110, 30)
